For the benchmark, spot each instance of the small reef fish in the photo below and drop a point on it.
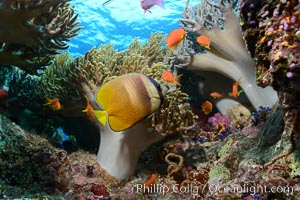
(206, 107)
(235, 92)
(151, 180)
(53, 103)
(89, 110)
(60, 136)
(147, 4)
(175, 37)
(128, 99)
(203, 41)
(170, 78)
(216, 95)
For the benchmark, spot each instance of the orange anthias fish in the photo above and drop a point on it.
(216, 95)
(53, 103)
(89, 110)
(151, 180)
(206, 107)
(204, 41)
(235, 93)
(175, 37)
(170, 78)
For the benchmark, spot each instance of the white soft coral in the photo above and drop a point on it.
(119, 151)
(228, 54)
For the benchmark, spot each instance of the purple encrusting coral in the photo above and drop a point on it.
(275, 44)
(246, 196)
(224, 134)
(260, 115)
(202, 139)
(221, 124)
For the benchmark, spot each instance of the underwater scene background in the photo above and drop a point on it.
(149, 100)
(120, 22)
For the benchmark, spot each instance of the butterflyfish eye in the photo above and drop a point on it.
(158, 87)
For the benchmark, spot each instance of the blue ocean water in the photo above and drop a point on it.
(121, 21)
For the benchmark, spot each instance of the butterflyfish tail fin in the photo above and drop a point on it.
(101, 115)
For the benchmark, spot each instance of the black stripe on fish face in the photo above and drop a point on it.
(159, 90)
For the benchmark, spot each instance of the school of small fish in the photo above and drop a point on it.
(172, 40)
(206, 106)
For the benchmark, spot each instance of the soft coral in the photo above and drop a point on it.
(228, 55)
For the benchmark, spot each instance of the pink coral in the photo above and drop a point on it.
(217, 118)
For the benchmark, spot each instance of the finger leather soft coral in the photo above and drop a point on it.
(228, 54)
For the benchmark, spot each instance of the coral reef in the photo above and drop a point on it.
(272, 35)
(231, 156)
(234, 166)
(20, 152)
(228, 54)
(32, 168)
(32, 31)
(83, 76)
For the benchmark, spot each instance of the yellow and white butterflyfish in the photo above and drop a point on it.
(128, 99)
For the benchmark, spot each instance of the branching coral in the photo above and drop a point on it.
(228, 54)
(32, 31)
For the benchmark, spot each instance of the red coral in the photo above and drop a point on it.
(3, 94)
(99, 190)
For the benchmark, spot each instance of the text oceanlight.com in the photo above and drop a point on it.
(212, 188)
